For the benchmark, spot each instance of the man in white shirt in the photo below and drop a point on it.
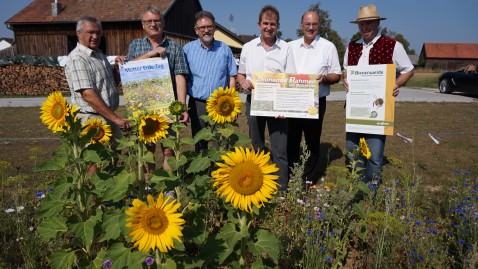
(317, 56)
(373, 48)
(267, 53)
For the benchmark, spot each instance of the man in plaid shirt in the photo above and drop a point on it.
(156, 44)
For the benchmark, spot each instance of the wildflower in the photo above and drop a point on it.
(246, 178)
(177, 108)
(322, 249)
(107, 264)
(223, 105)
(300, 201)
(20, 208)
(308, 182)
(155, 224)
(461, 241)
(19, 239)
(10, 210)
(103, 130)
(431, 250)
(152, 128)
(329, 259)
(364, 148)
(149, 261)
(309, 218)
(40, 195)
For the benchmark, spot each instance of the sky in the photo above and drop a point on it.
(419, 21)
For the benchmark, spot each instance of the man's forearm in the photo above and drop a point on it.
(90, 96)
(181, 88)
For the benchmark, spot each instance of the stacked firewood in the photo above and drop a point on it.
(25, 79)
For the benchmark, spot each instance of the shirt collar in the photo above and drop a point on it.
(203, 47)
(86, 50)
(163, 40)
(312, 45)
(276, 44)
(361, 41)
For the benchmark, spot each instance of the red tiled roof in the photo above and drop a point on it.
(451, 50)
(40, 11)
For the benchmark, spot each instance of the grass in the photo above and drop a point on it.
(21, 130)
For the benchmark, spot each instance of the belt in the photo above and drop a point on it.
(197, 100)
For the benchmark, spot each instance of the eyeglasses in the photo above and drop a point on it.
(92, 33)
(150, 22)
(308, 24)
(203, 28)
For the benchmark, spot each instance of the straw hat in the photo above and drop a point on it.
(368, 13)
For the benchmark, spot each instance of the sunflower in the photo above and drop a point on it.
(246, 178)
(152, 127)
(155, 224)
(177, 108)
(364, 148)
(103, 133)
(54, 111)
(223, 105)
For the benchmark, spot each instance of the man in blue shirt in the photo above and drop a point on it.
(156, 44)
(211, 65)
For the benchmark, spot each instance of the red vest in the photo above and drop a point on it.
(381, 52)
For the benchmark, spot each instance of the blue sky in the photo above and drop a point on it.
(419, 21)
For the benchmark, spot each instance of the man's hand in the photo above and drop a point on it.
(346, 85)
(122, 123)
(247, 86)
(120, 59)
(158, 51)
(184, 118)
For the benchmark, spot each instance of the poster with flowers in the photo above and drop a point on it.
(147, 86)
(370, 103)
(288, 95)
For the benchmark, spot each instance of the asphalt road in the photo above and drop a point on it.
(406, 95)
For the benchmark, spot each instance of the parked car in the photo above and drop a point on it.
(464, 80)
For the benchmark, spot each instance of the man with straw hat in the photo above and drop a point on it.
(374, 48)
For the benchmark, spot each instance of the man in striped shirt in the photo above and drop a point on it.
(211, 65)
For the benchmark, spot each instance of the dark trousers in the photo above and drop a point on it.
(197, 108)
(278, 138)
(312, 130)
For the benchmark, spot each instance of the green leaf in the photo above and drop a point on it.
(363, 187)
(97, 263)
(204, 134)
(188, 140)
(122, 257)
(226, 131)
(231, 237)
(50, 207)
(176, 164)
(267, 243)
(168, 264)
(239, 139)
(84, 231)
(168, 142)
(51, 227)
(198, 165)
(91, 156)
(119, 189)
(360, 209)
(52, 165)
(62, 259)
(148, 157)
(112, 225)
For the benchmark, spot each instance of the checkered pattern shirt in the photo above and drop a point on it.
(89, 69)
(175, 54)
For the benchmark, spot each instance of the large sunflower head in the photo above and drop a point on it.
(364, 150)
(156, 224)
(54, 112)
(223, 105)
(246, 178)
(103, 131)
(152, 127)
(177, 108)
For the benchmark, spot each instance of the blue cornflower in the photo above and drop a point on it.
(412, 215)
(51, 189)
(322, 249)
(387, 190)
(373, 186)
(432, 250)
(309, 218)
(473, 191)
(107, 264)
(40, 194)
(397, 182)
(418, 223)
(433, 231)
(453, 188)
(149, 261)
(461, 241)
(411, 261)
(420, 257)
(469, 247)
(309, 232)
(329, 259)
(411, 184)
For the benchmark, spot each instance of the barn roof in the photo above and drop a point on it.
(451, 50)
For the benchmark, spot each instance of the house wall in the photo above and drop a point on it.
(448, 64)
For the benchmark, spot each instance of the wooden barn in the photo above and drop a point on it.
(47, 27)
(448, 56)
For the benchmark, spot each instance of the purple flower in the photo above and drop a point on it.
(309, 218)
(461, 241)
(322, 249)
(107, 264)
(432, 250)
(329, 259)
(149, 261)
(418, 223)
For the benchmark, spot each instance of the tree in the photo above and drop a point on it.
(325, 30)
(399, 37)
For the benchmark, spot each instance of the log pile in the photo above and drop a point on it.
(25, 79)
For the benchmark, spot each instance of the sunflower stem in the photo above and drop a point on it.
(243, 225)
(140, 169)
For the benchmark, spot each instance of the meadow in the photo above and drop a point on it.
(423, 216)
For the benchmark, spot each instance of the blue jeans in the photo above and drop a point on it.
(372, 167)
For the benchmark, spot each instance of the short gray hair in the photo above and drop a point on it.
(83, 19)
(154, 10)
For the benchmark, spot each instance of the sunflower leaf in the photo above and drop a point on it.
(204, 134)
(125, 257)
(98, 261)
(52, 165)
(62, 259)
(168, 264)
(118, 190)
(50, 227)
(91, 156)
(198, 165)
(226, 131)
(239, 139)
(84, 231)
(113, 223)
(175, 164)
(231, 237)
(266, 243)
(50, 207)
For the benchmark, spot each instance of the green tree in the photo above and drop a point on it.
(399, 37)
(325, 30)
